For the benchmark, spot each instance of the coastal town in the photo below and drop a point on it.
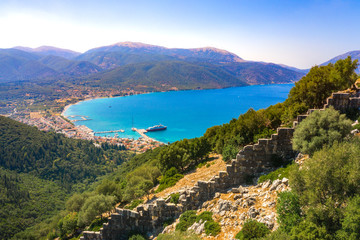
(52, 119)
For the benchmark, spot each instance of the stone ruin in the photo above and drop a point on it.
(251, 161)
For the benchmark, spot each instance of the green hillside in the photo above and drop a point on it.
(167, 74)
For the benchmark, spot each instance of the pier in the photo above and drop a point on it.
(111, 131)
(142, 133)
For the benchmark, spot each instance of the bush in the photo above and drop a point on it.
(252, 229)
(229, 152)
(307, 230)
(288, 210)
(175, 198)
(134, 204)
(97, 224)
(277, 174)
(137, 237)
(351, 222)
(212, 228)
(170, 178)
(326, 182)
(320, 128)
(205, 216)
(186, 220)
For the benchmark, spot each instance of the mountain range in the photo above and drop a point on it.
(139, 65)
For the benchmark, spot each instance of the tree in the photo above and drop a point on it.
(229, 152)
(351, 222)
(95, 206)
(252, 229)
(326, 181)
(288, 210)
(320, 128)
(321, 81)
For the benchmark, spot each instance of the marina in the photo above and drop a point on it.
(110, 131)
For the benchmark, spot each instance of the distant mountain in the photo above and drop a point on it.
(353, 54)
(17, 65)
(48, 50)
(130, 64)
(129, 52)
(304, 71)
(165, 75)
(70, 67)
(262, 73)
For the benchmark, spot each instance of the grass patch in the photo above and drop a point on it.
(134, 204)
(170, 178)
(175, 198)
(277, 174)
(188, 218)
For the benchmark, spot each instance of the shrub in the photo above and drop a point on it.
(277, 174)
(170, 178)
(351, 222)
(134, 204)
(97, 224)
(205, 216)
(175, 198)
(307, 230)
(229, 152)
(186, 220)
(288, 210)
(212, 228)
(252, 229)
(137, 237)
(320, 128)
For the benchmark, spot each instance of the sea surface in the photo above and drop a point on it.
(187, 114)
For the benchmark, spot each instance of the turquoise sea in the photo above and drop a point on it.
(187, 114)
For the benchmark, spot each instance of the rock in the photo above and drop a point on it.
(235, 190)
(275, 184)
(237, 196)
(253, 212)
(198, 228)
(224, 205)
(285, 181)
(266, 184)
(217, 195)
(182, 197)
(167, 200)
(222, 213)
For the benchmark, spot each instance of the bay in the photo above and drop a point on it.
(187, 114)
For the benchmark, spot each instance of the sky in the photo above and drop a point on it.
(298, 33)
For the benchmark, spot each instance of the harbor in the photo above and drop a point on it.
(142, 133)
(110, 131)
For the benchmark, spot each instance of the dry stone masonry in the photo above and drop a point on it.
(252, 160)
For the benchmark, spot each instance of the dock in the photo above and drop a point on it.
(142, 133)
(111, 131)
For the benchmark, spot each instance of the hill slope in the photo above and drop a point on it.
(353, 54)
(48, 50)
(168, 74)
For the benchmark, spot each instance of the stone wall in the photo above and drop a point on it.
(252, 160)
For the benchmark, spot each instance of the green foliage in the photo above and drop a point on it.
(288, 210)
(319, 129)
(186, 220)
(327, 181)
(68, 224)
(279, 173)
(170, 178)
(53, 156)
(178, 235)
(277, 235)
(95, 206)
(183, 153)
(351, 221)
(212, 228)
(134, 204)
(205, 216)
(229, 152)
(110, 188)
(252, 229)
(26, 200)
(321, 81)
(96, 224)
(175, 198)
(307, 230)
(137, 237)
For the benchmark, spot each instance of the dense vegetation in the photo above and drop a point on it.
(310, 92)
(324, 201)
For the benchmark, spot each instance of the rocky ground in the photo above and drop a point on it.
(232, 209)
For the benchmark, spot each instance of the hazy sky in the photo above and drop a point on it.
(298, 33)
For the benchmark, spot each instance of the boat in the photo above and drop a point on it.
(156, 128)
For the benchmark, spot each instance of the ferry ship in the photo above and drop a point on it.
(156, 128)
